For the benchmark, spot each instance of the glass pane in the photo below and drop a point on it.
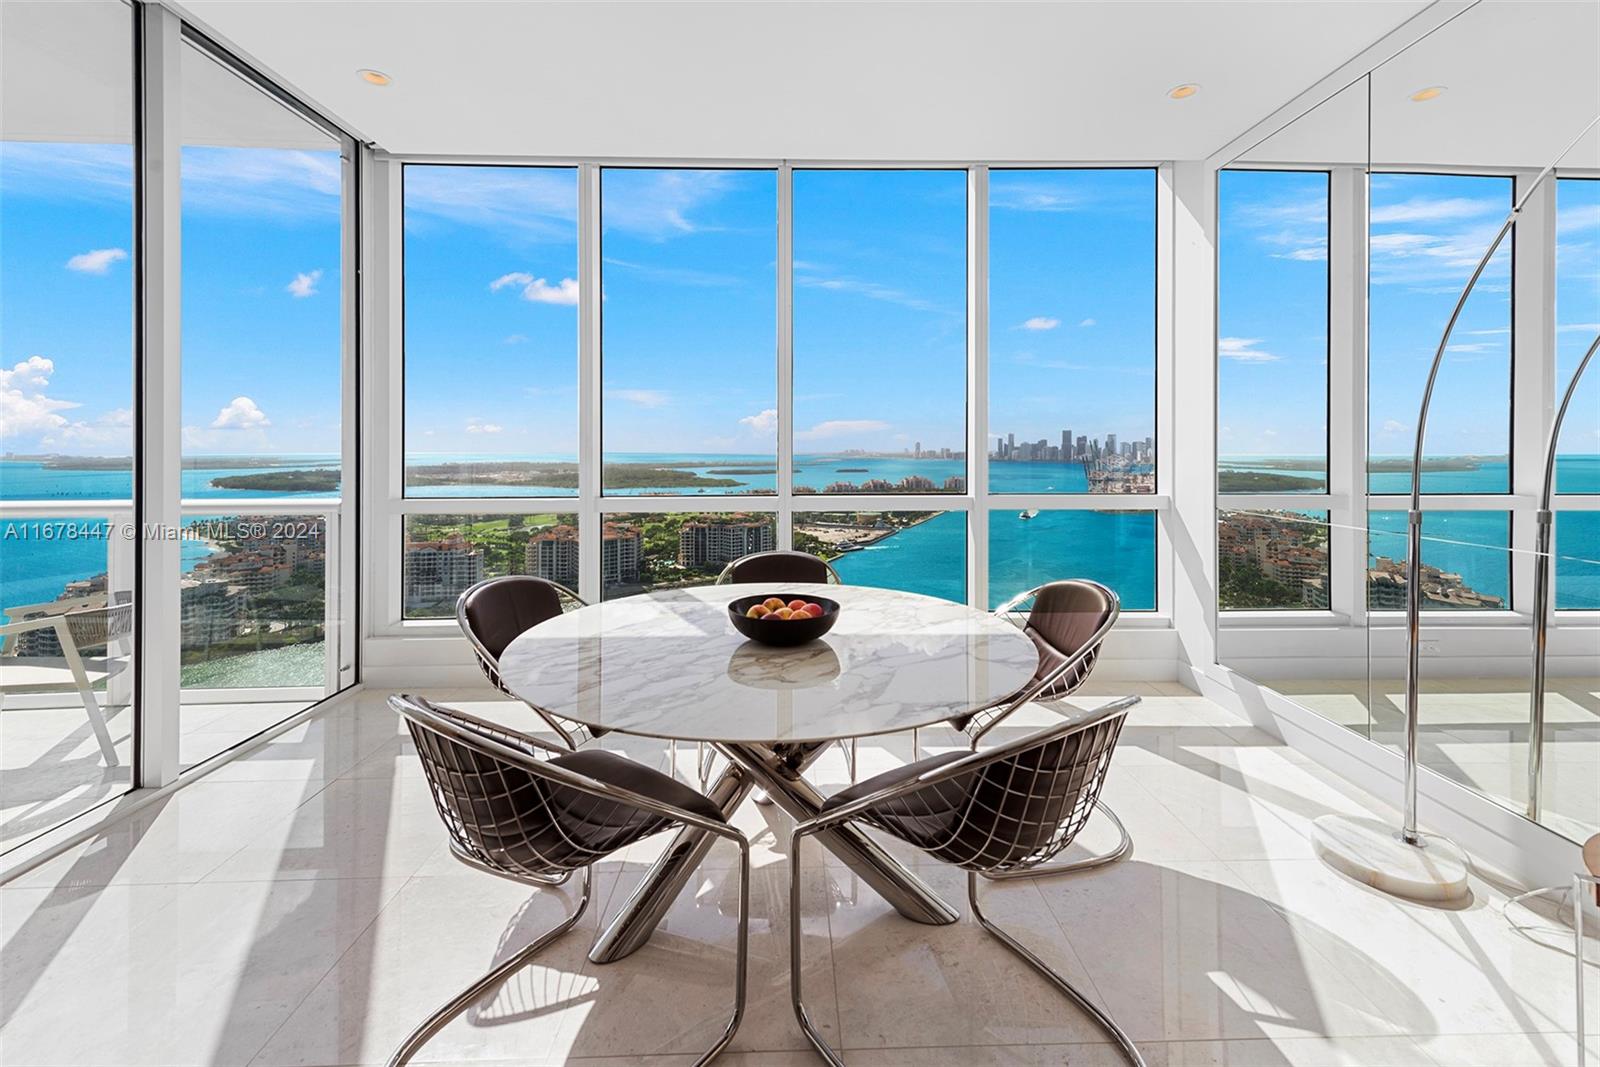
(263, 352)
(689, 262)
(1428, 232)
(1466, 561)
(1272, 560)
(1577, 323)
(253, 602)
(1072, 275)
(491, 331)
(444, 554)
(1115, 548)
(914, 551)
(66, 398)
(640, 552)
(880, 331)
(1577, 562)
(1272, 331)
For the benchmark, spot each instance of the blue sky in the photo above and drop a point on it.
(261, 313)
(690, 306)
(1272, 314)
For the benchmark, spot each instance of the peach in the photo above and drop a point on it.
(814, 610)
(797, 605)
(758, 610)
(772, 603)
(784, 613)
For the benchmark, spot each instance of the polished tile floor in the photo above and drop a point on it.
(298, 906)
(51, 769)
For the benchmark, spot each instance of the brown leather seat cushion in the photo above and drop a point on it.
(505, 610)
(612, 769)
(779, 567)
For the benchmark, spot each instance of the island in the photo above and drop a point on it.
(321, 480)
(564, 475)
(1262, 482)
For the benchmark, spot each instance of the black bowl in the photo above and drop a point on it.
(781, 633)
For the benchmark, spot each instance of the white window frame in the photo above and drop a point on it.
(1532, 387)
(390, 508)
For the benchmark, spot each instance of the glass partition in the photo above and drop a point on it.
(262, 382)
(1424, 159)
(67, 618)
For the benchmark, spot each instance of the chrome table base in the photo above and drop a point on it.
(777, 769)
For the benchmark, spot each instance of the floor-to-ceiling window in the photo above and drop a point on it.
(262, 406)
(67, 719)
(746, 358)
(1072, 379)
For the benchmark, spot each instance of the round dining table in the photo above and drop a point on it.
(669, 664)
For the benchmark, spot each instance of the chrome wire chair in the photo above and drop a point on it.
(1068, 622)
(496, 611)
(533, 820)
(1002, 810)
(779, 565)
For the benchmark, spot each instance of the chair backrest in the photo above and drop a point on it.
(497, 611)
(1016, 805)
(508, 811)
(93, 627)
(1065, 617)
(778, 566)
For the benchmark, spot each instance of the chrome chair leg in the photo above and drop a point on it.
(850, 758)
(1107, 1023)
(1087, 863)
(463, 1000)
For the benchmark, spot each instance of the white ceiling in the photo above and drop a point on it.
(803, 80)
(1520, 81)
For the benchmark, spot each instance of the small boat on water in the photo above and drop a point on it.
(1027, 514)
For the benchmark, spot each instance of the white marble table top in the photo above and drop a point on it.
(670, 664)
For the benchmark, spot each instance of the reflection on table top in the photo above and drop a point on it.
(670, 664)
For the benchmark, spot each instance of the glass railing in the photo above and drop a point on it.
(1293, 617)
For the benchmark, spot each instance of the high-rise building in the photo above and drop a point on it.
(619, 554)
(440, 570)
(1082, 451)
(707, 542)
(1066, 444)
(1111, 444)
(1011, 445)
(552, 554)
(919, 450)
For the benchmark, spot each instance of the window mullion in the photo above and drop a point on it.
(978, 386)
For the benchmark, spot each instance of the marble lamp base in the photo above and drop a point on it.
(1373, 852)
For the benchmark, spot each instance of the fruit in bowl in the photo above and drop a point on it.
(772, 620)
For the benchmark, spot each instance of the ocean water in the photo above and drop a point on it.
(1114, 547)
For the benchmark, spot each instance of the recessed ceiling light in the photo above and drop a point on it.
(1428, 94)
(1183, 92)
(373, 77)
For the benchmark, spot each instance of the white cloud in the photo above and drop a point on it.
(96, 262)
(24, 406)
(763, 422)
(241, 414)
(644, 398)
(537, 290)
(1314, 253)
(480, 426)
(840, 428)
(870, 290)
(1040, 322)
(1436, 209)
(516, 339)
(1244, 350)
(304, 284)
(1087, 322)
(1394, 426)
(1584, 327)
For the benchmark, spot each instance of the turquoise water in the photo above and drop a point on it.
(1114, 547)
